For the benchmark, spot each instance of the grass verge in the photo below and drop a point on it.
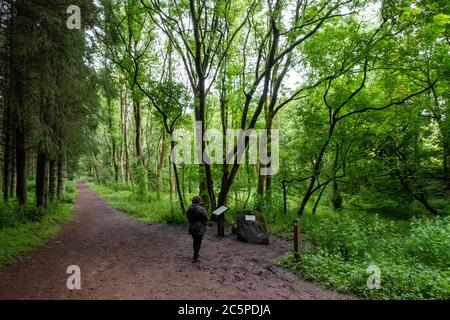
(145, 208)
(21, 236)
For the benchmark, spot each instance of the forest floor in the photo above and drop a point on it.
(122, 258)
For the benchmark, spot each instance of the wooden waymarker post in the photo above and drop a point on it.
(296, 238)
(221, 225)
(220, 213)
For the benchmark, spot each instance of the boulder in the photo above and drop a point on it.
(249, 230)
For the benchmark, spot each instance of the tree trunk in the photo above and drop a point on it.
(418, 196)
(125, 137)
(268, 195)
(121, 147)
(162, 155)
(137, 127)
(283, 184)
(222, 198)
(306, 196)
(6, 155)
(97, 173)
(206, 189)
(13, 180)
(116, 166)
(316, 204)
(46, 181)
(205, 183)
(7, 162)
(183, 181)
(113, 142)
(21, 166)
(7, 111)
(41, 179)
(177, 181)
(172, 187)
(225, 187)
(170, 182)
(317, 164)
(61, 177)
(260, 190)
(446, 160)
(53, 180)
(203, 188)
(337, 197)
(422, 199)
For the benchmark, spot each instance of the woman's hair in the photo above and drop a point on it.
(197, 200)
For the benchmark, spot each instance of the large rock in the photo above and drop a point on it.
(251, 231)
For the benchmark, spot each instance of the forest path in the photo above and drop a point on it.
(122, 258)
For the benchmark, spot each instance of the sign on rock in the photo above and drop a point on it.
(250, 217)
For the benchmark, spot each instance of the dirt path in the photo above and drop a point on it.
(121, 258)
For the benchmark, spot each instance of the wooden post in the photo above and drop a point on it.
(219, 215)
(220, 225)
(296, 238)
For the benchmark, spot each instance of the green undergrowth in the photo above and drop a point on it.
(412, 257)
(142, 207)
(24, 228)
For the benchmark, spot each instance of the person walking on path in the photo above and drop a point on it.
(197, 224)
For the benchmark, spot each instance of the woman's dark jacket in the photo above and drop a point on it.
(197, 219)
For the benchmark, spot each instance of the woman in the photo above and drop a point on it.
(197, 224)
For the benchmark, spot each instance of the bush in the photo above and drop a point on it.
(399, 279)
(70, 187)
(8, 214)
(67, 198)
(176, 216)
(32, 213)
(23, 228)
(141, 178)
(413, 257)
(12, 214)
(430, 241)
(31, 186)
